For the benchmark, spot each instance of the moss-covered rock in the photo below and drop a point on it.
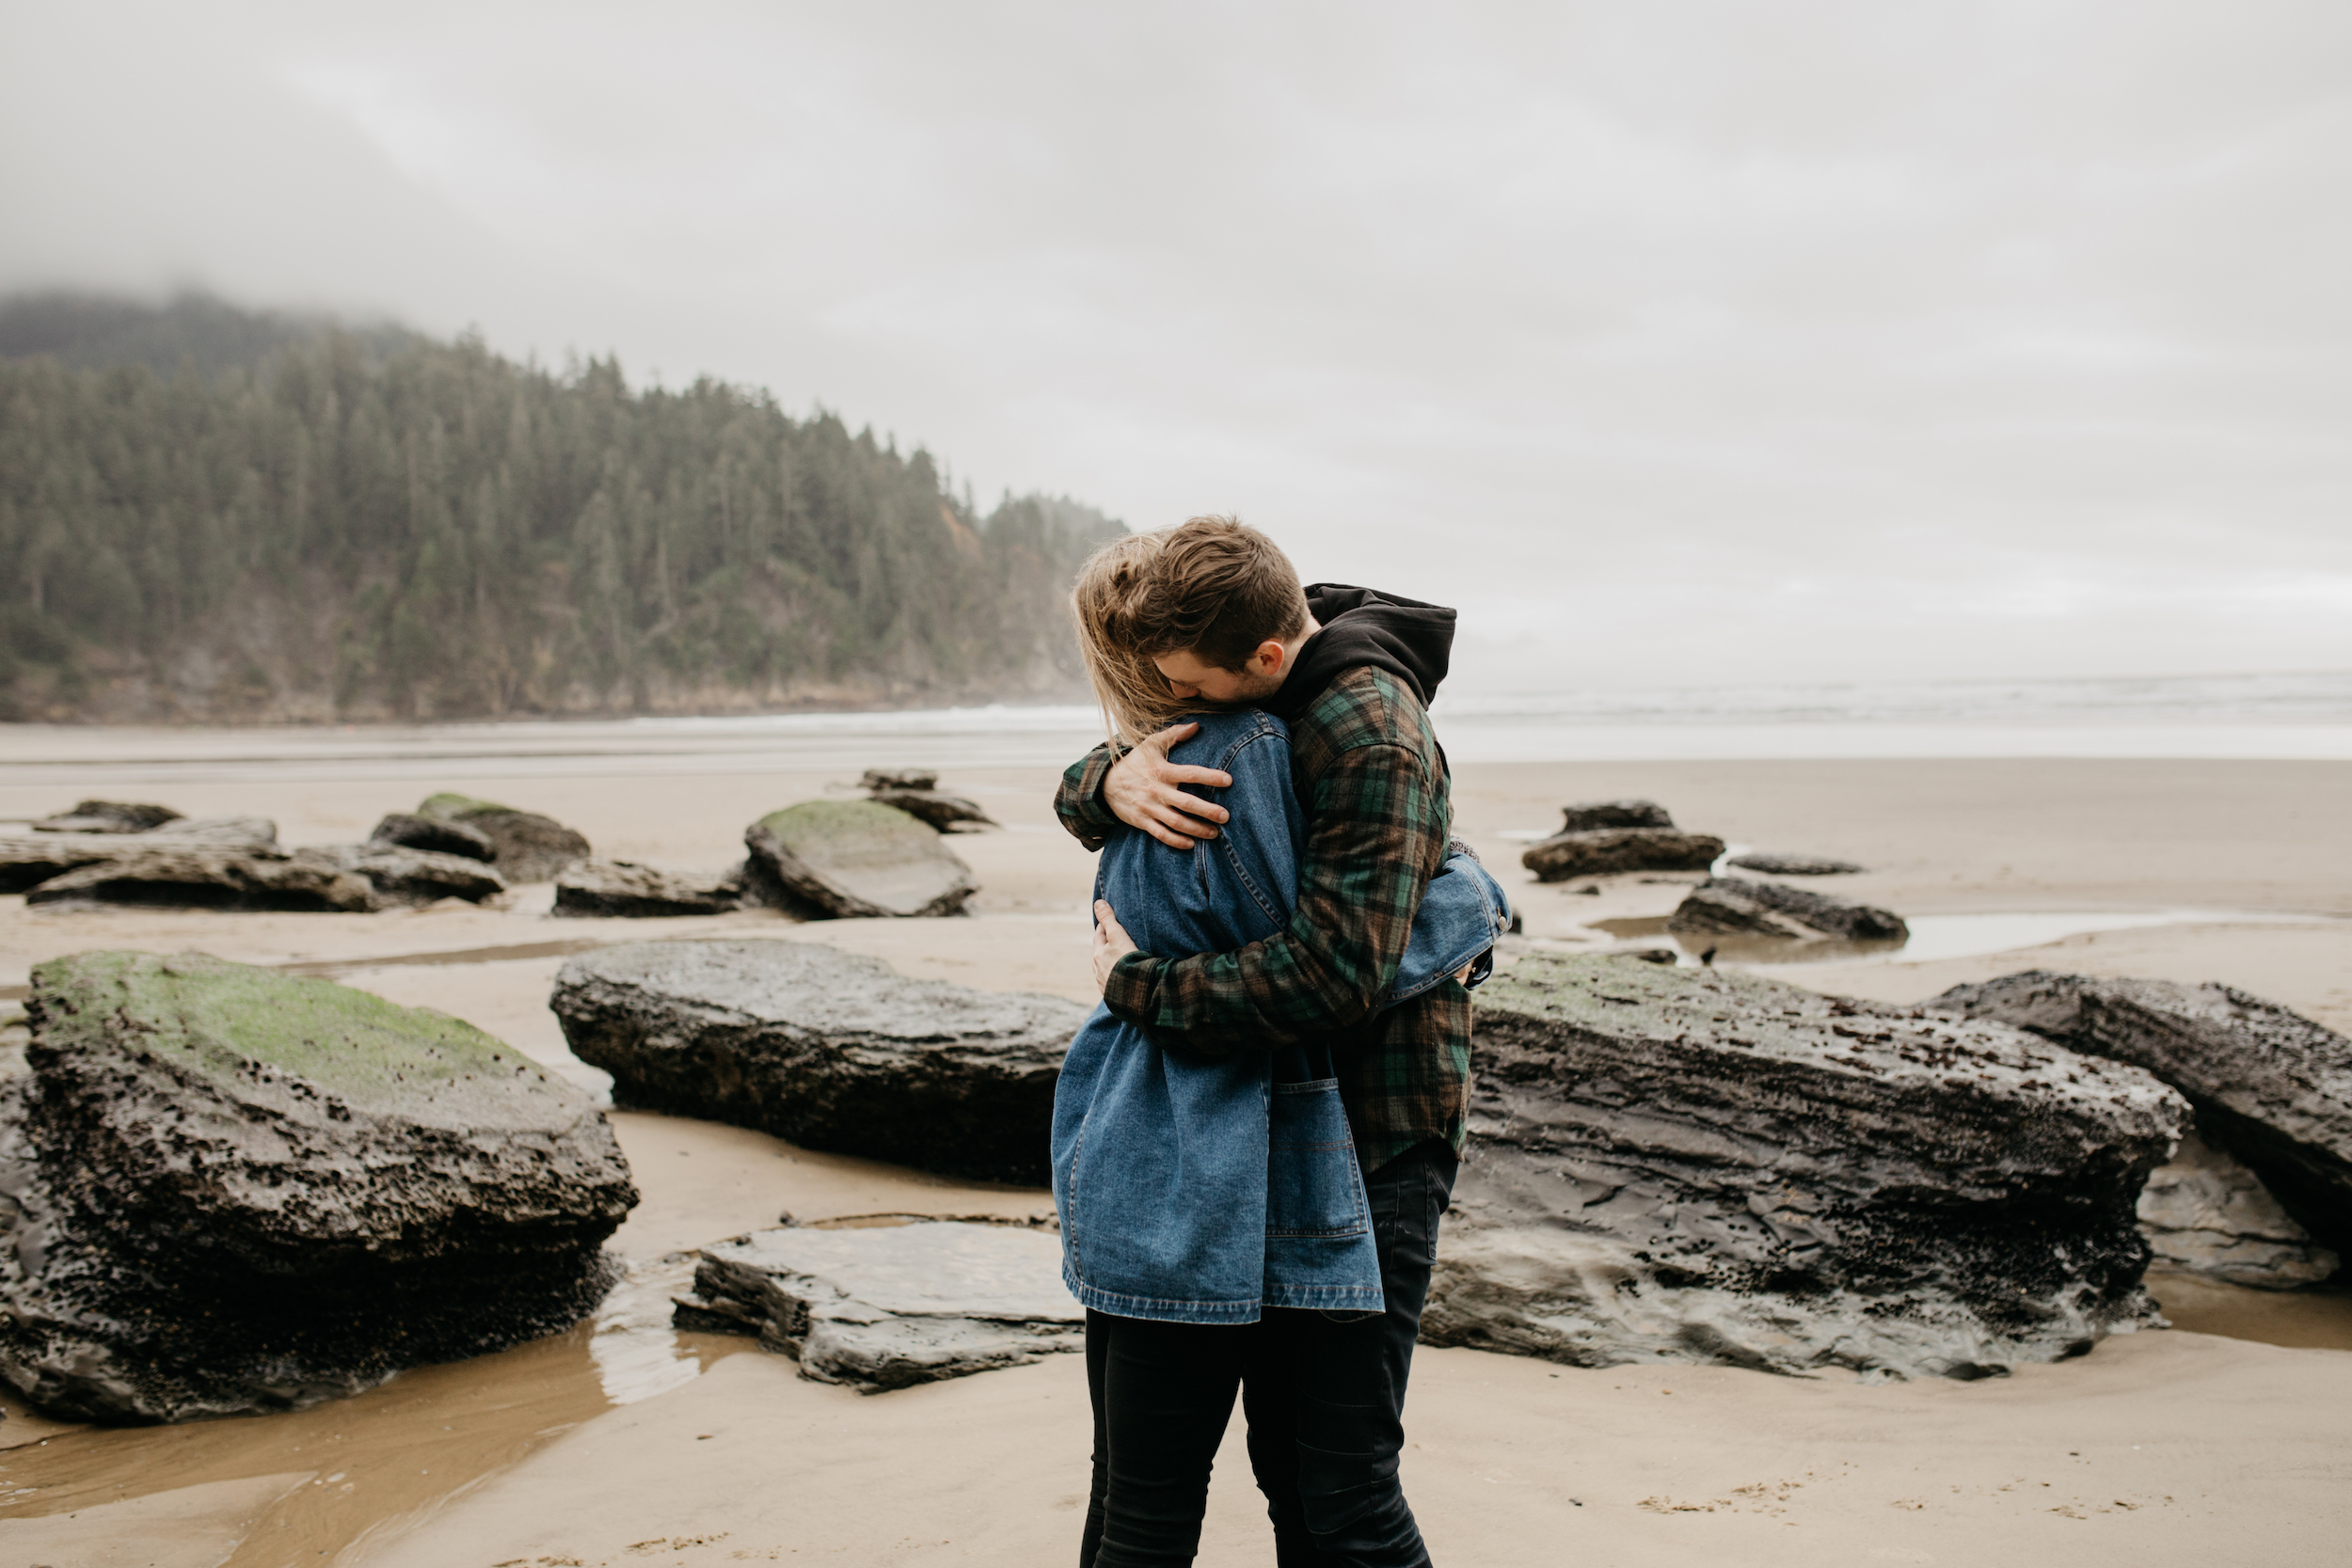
(457, 808)
(850, 859)
(346, 1186)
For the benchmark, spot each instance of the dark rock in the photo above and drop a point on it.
(2206, 1213)
(233, 1191)
(2270, 1086)
(942, 813)
(886, 1306)
(1595, 815)
(851, 859)
(107, 817)
(200, 875)
(827, 1049)
(527, 848)
(1687, 1164)
(409, 875)
(27, 863)
(1601, 851)
(593, 887)
(440, 834)
(252, 833)
(877, 779)
(1792, 865)
(1735, 906)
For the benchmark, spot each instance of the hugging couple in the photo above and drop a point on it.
(1255, 1135)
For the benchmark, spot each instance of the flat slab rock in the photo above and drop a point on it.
(1603, 852)
(859, 859)
(348, 1187)
(626, 889)
(2204, 1212)
(888, 1307)
(2271, 1088)
(1678, 1165)
(830, 1050)
(203, 876)
(1737, 908)
(402, 874)
(28, 861)
(1792, 865)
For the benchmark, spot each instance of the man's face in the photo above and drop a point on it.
(1188, 677)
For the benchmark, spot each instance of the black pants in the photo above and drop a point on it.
(1325, 1397)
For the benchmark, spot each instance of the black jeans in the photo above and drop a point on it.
(1325, 1396)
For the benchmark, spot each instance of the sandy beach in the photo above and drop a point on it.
(2222, 1440)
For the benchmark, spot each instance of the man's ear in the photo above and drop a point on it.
(1268, 656)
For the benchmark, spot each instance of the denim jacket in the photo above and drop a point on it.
(1198, 1190)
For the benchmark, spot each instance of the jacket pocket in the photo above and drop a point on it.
(1314, 1187)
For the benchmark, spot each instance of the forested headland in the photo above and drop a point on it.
(212, 515)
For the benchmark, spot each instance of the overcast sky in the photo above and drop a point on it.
(1673, 342)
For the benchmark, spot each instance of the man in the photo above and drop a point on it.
(1351, 671)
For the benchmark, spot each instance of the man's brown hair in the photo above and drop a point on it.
(1217, 590)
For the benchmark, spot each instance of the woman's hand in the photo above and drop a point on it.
(1111, 943)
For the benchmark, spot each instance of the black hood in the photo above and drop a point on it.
(1410, 640)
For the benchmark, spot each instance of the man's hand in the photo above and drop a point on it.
(1141, 790)
(1111, 943)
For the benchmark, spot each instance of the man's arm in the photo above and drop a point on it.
(1142, 789)
(1378, 835)
(1078, 801)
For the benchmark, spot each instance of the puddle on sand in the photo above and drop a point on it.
(386, 1459)
(1933, 937)
(2303, 1319)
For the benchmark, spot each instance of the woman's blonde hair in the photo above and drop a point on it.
(1111, 591)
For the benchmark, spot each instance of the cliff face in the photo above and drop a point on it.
(390, 527)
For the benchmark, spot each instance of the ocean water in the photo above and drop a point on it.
(2304, 716)
(2291, 715)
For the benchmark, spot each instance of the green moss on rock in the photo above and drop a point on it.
(858, 859)
(828, 824)
(455, 808)
(210, 1018)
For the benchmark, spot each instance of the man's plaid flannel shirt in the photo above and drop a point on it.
(1373, 785)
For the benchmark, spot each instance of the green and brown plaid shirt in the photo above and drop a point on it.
(1373, 785)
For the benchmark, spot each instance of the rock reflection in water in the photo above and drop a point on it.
(1652, 930)
(637, 1354)
(375, 1463)
(1933, 937)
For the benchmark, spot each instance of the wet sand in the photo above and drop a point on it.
(620, 1442)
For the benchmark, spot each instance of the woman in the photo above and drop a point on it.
(1195, 1191)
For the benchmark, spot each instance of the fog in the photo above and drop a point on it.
(1673, 342)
